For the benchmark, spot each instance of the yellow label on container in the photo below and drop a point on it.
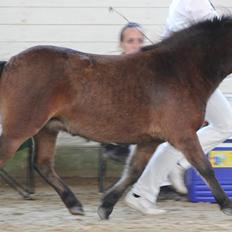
(221, 159)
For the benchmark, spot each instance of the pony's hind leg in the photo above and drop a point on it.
(133, 169)
(192, 150)
(44, 159)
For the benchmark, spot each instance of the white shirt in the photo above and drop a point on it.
(183, 13)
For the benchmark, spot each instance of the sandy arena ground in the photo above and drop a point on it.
(47, 213)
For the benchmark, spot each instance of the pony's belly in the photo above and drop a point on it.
(110, 134)
(111, 126)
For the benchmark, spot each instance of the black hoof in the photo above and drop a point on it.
(227, 207)
(104, 213)
(76, 210)
(227, 211)
(27, 197)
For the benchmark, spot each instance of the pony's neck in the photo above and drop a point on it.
(209, 56)
(226, 62)
(219, 64)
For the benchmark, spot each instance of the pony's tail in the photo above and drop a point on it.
(2, 64)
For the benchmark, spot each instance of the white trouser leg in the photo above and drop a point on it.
(156, 171)
(219, 116)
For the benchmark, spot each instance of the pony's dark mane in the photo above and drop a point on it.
(213, 25)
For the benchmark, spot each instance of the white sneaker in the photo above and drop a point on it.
(142, 205)
(176, 177)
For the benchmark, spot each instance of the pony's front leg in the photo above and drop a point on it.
(192, 150)
(133, 169)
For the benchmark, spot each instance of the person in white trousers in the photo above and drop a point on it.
(143, 195)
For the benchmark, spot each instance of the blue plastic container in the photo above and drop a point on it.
(221, 160)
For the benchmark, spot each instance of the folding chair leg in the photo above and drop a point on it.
(101, 171)
(30, 177)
